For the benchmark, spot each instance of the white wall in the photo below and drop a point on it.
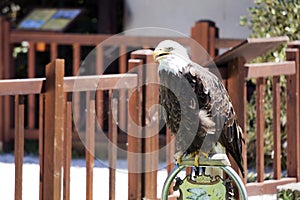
(180, 15)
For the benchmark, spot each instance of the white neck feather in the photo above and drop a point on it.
(172, 64)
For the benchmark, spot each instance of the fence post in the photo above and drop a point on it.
(293, 118)
(5, 54)
(150, 120)
(204, 33)
(236, 86)
(53, 134)
(134, 143)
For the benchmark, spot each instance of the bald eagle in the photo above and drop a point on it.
(197, 107)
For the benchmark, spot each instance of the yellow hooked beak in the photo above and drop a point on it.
(159, 54)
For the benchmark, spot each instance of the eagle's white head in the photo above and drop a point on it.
(171, 56)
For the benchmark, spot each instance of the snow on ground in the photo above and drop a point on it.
(78, 190)
(101, 178)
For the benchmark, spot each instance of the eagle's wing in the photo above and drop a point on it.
(178, 100)
(208, 102)
(213, 97)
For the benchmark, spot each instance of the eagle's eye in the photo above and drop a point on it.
(169, 49)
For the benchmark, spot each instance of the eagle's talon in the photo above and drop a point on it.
(206, 155)
(196, 157)
(179, 158)
(196, 161)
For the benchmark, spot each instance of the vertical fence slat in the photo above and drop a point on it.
(276, 127)
(6, 74)
(90, 144)
(41, 141)
(19, 145)
(134, 143)
(122, 59)
(99, 94)
(99, 59)
(76, 58)
(31, 74)
(112, 148)
(53, 51)
(122, 92)
(7, 70)
(76, 65)
(54, 128)
(67, 147)
(6, 122)
(260, 128)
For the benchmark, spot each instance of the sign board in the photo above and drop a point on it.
(49, 19)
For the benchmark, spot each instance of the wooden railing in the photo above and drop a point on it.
(237, 71)
(55, 125)
(260, 71)
(56, 135)
(52, 43)
(233, 65)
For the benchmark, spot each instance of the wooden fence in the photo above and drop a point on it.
(77, 42)
(236, 70)
(55, 126)
(233, 65)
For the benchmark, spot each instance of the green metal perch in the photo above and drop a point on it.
(204, 186)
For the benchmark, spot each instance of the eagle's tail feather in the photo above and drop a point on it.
(237, 154)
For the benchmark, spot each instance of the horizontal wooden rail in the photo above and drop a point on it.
(250, 49)
(100, 82)
(90, 39)
(21, 86)
(260, 70)
(94, 39)
(75, 83)
(267, 187)
(225, 43)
